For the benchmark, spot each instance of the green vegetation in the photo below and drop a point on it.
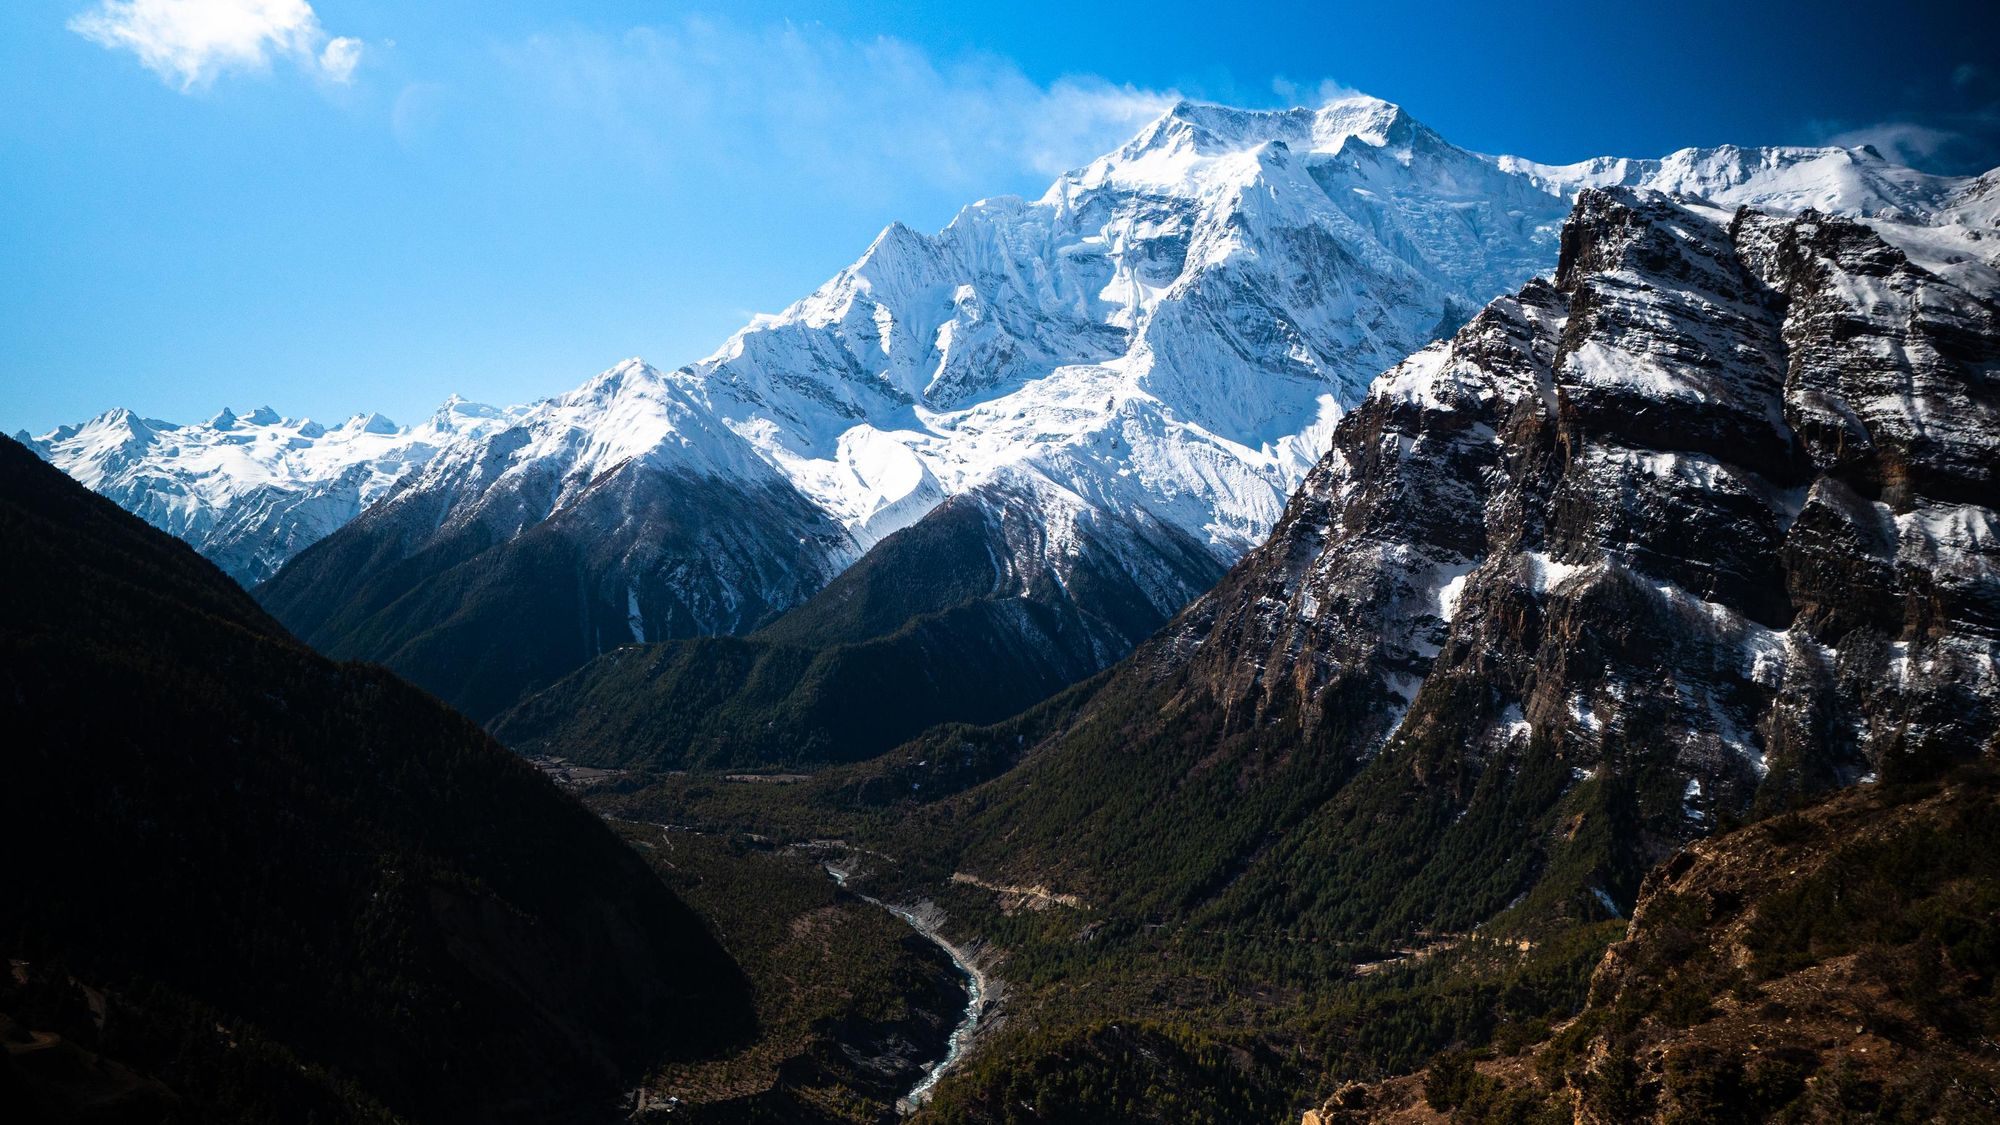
(482, 618)
(850, 1001)
(924, 630)
(1834, 963)
(1125, 1072)
(1196, 996)
(235, 841)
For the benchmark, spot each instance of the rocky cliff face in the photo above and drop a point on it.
(1722, 487)
(1705, 521)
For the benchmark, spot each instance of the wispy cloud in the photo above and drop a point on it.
(1318, 94)
(1958, 133)
(856, 111)
(339, 58)
(1904, 142)
(1951, 143)
(189, 42)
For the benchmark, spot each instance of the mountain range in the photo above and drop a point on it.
(251, 490)
(1117, 385)
(1701, 526)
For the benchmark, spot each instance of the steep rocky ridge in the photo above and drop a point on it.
(1702, 524)
(934, 625)
(1835, 963)
(500, 566)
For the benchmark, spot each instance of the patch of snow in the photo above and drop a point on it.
(1545, 573)
(1582, 715)
(1451, 587)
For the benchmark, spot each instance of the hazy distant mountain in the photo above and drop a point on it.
(252, 490)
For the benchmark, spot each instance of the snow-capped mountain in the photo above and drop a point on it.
(251, 490)
(1706, 523)
(1137, 367)
(1175, 327)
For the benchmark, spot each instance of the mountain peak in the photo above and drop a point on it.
(458, 406)
(371, 422)
(893, 249)
(1380, 123)
(1190, 132)
(126, 425)
(614, 382)
(1207, 127)
(225, 420)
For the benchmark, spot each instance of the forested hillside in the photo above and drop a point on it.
(245, 883)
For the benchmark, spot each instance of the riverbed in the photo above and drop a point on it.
(978, 993)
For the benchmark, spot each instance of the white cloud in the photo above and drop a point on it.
(341, 56)
(1904, 142)
(190, 42)
(1961, 143)
(858, 113)
(1297, 94)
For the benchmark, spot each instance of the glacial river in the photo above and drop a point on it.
(977, 991)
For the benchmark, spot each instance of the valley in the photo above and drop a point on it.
(1349, 811)
(1300, 622)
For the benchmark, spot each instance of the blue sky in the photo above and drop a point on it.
(370, 204)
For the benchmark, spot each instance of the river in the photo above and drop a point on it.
(977, 992)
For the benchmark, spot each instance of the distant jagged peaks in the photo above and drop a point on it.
(459, 407)
(252, 489)
(369, 422)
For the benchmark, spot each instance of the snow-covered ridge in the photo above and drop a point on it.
(1177, 325)
(250, 490)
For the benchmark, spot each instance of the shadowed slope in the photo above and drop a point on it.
(242, 843)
